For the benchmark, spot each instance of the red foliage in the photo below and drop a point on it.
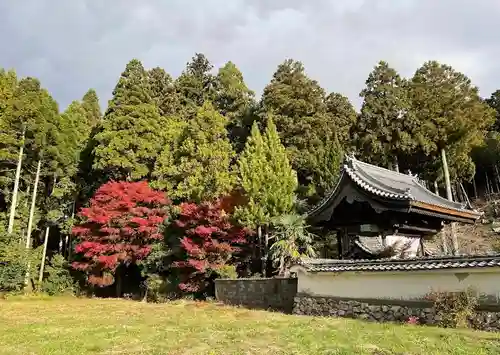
(209, 241)
(120, 225)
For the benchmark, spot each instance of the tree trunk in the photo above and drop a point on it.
(30, 220)
(497, 175)
(474, 187)
(449, 196)
(488, 188)
(266, 250)
(396, 164)
(118, 281)
(454, 192)
(45, 243)
(436, 187)
(44, 255)
(446, 172)
(21, 237)
(13, 203)
(68, 236)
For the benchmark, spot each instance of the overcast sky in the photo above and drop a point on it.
(73, 45)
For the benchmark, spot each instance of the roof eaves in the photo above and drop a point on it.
(419, 263)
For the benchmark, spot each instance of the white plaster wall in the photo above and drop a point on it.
(404, 285)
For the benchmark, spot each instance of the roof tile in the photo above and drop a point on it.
(420, 263)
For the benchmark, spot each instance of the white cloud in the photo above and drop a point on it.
(74, 45)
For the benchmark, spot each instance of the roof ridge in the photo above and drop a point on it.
(405, 260)
(411, 264)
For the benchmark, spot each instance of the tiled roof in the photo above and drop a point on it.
(371, 245)
(390, 185)
(421, 263)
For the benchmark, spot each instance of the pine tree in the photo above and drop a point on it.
(234, 100)
(163, 92)
(197, 167)
(386, 125)
(304, 125)
(131, 133)
(10, 133)
(196, 84)
(494, 102)
(268, 183)
(266, 178)
(450, 115)
(343, 116)
(90, 104)
(89, 179)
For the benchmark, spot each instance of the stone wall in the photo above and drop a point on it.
(486, 317)
(265, 293)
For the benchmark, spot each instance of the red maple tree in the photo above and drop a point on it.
(119, 227)
(208, 242)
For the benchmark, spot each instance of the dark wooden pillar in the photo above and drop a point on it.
(340, 237)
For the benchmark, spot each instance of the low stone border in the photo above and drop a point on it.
(388, 311)
(262, 293)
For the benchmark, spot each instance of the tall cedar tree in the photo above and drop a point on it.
(343, 116)
(299, 111)
(10, 134)
(234, 100)
(198, 167)
(131, 135)
(208, 244)
(88, 179)
(266, 178)
(450, 114)
(196, 84)
(90, 103)
(494, 102)
(119, 228)
(71, 133)
(163, 92)
(386, 125)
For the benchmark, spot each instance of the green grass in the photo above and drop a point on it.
(94, 326)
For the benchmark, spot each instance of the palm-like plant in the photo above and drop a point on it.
(292, 241)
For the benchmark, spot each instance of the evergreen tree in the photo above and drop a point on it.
(10, 132)
(343, 116)
(266, 178)
(386, 125)
(131, 133)
(197, 167)
(196, 84)
(234, 100)
(450, 115)
(268, 183)
(90, 104)
(163, 92)
(299, 110)
(494, 102)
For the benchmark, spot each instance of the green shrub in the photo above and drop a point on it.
(227, 272)
(59, 280)
(160, 289)
(14, 261)
(454, 308)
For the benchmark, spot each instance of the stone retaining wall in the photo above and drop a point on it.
(486, 318)
(264, 293)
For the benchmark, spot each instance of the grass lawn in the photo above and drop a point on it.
(92, 326)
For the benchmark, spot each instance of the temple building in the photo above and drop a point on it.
(372, 208)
